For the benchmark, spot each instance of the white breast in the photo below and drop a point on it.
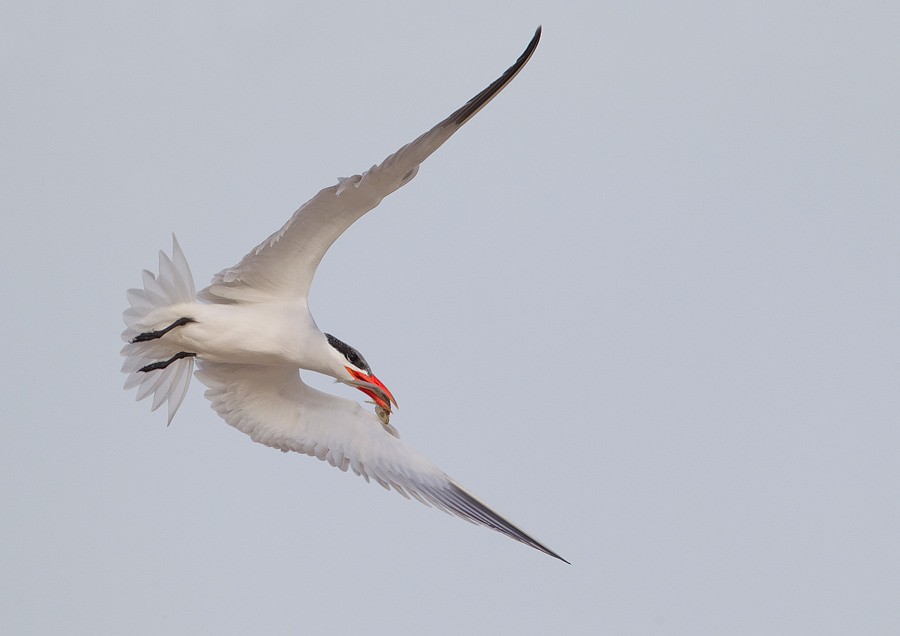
(270, 333)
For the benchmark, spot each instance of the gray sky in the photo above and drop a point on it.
(645, 305)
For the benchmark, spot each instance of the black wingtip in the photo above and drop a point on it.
(481, 99)
(478, 511)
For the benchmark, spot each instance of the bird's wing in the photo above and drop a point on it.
(285, 263)
(275, 407)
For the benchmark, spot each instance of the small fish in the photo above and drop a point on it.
(385, 416)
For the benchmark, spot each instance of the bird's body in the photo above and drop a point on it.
(279, 333)
(250, 332)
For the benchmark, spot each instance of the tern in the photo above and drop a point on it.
(250, 333)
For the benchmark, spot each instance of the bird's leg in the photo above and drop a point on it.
(153, 335)
(155, 366)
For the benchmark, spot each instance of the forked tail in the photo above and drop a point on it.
(167, 382)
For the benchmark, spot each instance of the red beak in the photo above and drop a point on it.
(376, 390)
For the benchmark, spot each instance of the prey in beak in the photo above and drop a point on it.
(372, 386)
(364, 380)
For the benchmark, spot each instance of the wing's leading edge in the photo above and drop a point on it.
(284, 264)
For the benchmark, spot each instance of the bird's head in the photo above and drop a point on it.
(359, 374)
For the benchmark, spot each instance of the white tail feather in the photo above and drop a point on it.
(174, 285)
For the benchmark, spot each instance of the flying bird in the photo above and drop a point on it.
(250, 333)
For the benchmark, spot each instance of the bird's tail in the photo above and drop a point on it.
(166, 382)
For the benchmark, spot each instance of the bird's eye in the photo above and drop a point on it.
(352, 356)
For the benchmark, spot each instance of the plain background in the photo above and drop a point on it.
(645, 304)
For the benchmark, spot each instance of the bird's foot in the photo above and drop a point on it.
(153, 335)
(156, 366)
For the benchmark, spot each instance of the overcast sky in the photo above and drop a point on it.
(645, 305)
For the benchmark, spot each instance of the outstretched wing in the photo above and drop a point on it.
(274, 407)
(285, 263)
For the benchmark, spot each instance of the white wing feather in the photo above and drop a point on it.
(285, 263)
(274, 407)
